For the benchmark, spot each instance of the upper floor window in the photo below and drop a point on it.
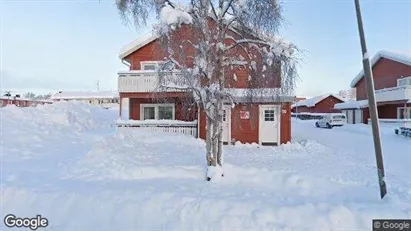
(404, 81)
(154, 65)
(149, 66)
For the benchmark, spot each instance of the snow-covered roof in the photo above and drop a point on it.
(311, 102)
(169, 16)
(24, 99)
(137, 44)
(85, 95)
(401, 58)
(16, 98)
(352, 105)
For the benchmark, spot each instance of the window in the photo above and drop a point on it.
(149, 113)
(224, 115)
(157, 111)
(154, 65)
(404, 81)
(269, 115)
(149, 67)
(404, 113)
(165, 112)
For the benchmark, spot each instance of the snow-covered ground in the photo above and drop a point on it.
(68, 163)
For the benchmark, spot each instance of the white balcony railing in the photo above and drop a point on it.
(393, 94)
(175, 126)
(147, 81)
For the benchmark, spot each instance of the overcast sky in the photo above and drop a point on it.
(70, 44)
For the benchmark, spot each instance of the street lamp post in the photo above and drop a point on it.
(372, 103)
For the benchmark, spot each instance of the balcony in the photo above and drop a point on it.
(393, 94)
(147, 81)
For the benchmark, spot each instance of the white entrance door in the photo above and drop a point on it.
(269, 124)
(358, 116)
(226, 123)
(125, 108)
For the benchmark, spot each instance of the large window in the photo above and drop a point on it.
(404, 112)
(157, 111)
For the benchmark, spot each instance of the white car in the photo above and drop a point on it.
(331, 120)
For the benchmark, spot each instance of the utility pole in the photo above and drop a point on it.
(98, 85)
(372, 103)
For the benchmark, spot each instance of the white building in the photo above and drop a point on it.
(106, 99)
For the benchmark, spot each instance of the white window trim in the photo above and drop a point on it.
(142, 106)
(407, 78)
(143, 63)
(408, 113)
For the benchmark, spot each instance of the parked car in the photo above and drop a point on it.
(331, 120)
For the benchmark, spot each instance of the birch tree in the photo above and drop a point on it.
(212, 44)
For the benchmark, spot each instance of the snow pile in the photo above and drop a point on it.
(144, 155)
(77, 115)
(27, 130)
(171, 16)
(130, 179)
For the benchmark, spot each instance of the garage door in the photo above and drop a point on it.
(269, 124)
(358, 116)
(350, 116)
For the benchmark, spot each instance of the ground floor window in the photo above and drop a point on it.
(404, 112)
(157, 112)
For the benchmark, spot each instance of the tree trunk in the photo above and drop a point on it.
(220, 139)
(209, 145)
(220, 135)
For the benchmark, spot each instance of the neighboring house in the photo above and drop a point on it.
(141, 106)
(21, 102)
(103, 98)
(392, 83)
(318, 104)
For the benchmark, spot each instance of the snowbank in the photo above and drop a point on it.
(132, 154)
(27, 130)
(129, 179)
(77, 115)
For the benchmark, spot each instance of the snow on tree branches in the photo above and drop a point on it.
(170, 16)
(212, 47)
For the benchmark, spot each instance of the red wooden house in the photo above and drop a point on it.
(21, 102)
(265, 121)
(392, 82)
(318, 104)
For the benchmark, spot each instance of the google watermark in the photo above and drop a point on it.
(390, 224)
(33, 223)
